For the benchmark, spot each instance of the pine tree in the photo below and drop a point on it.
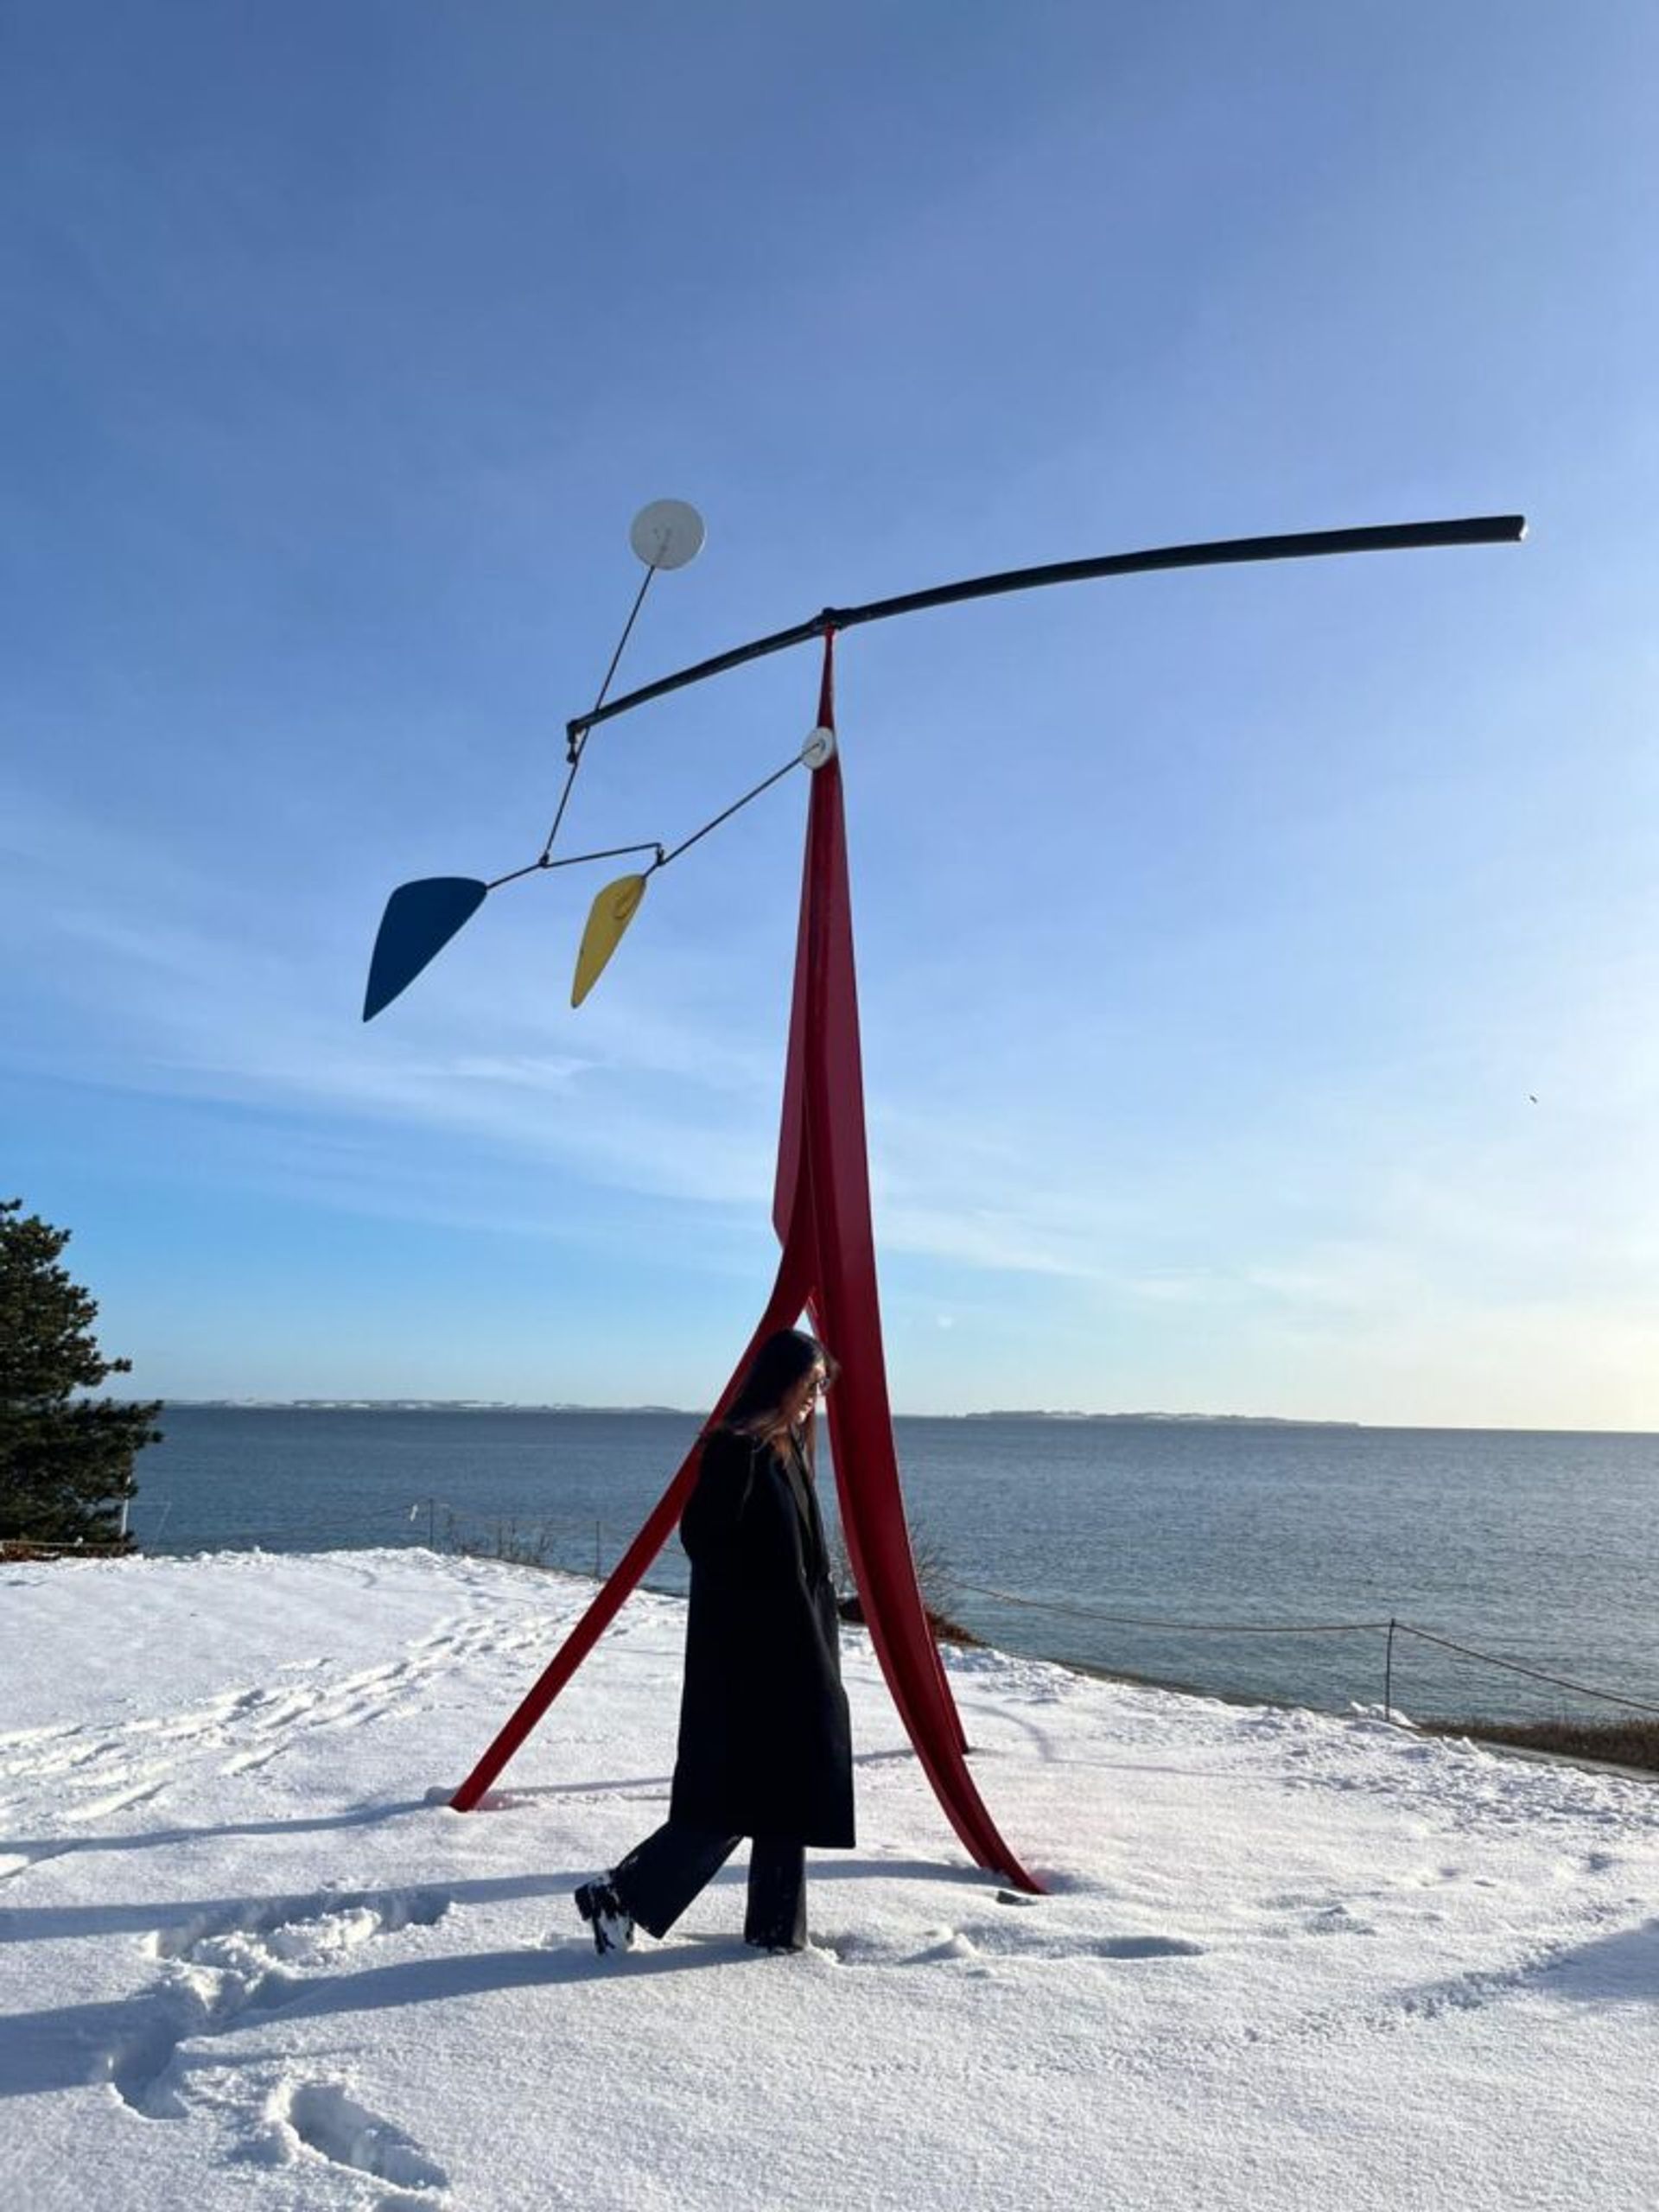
(65, 1461)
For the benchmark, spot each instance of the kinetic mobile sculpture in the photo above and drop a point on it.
(820, 1208)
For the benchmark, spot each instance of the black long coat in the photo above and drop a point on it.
(764, 1747)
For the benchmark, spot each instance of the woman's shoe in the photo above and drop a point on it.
(606, 1914)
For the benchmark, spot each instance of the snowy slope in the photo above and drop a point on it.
(251, 1958)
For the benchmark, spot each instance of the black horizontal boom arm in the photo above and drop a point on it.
(1386, 538)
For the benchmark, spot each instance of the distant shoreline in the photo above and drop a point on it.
(1050, 1416)
(682, 1413)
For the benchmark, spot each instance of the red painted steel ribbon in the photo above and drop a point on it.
(821, 1211)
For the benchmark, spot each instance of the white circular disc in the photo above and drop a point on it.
(667, 534)
(819, 747)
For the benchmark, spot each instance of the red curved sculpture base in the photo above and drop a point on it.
(822, 1213)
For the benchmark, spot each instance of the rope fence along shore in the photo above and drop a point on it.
(534, 1543)
(1392, 1628)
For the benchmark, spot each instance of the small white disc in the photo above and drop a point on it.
(667, 534)
(819, 747)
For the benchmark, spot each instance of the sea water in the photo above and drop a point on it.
(1198, 1552)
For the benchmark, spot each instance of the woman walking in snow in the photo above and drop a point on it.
(764, 1747)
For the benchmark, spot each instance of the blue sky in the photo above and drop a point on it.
(1218, 932)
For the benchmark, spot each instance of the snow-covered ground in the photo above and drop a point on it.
(252, 1959)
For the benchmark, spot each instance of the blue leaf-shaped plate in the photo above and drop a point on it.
(419, 921)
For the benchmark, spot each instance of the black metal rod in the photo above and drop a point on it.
(1387, 538)
(545, 867)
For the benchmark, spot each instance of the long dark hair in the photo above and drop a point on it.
(784, 1360)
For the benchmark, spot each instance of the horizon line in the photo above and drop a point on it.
(994, 1413)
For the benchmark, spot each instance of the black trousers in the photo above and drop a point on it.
(659, 1878)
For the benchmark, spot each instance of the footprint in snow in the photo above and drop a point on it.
(997, 1941)
(1337, 1920)
(320, 2118)
(1147, 1947)
(226, 1970)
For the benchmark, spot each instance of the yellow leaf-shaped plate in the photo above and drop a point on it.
(609, 915)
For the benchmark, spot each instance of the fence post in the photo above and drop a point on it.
(1388, 1675)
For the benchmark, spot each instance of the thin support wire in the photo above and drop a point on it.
(777, 776)
(652, 845)
(576, 743)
